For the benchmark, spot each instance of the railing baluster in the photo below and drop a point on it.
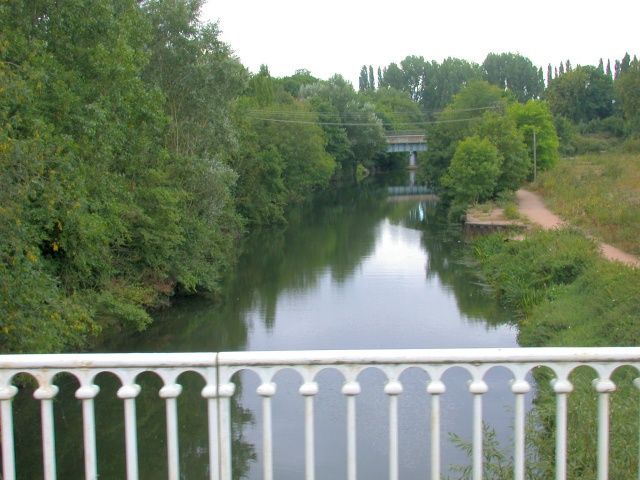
(393, 389)
(519, 388)
(170, 394)
(435, 388)
(351, 389)
(562, 388)
(225, 393)
(266, 391)
(477, 388)
(6, 422)
(46, 394)
(86, 394)
(129, 393)
(210, 392)
(308, 390)
(636, 383)
(603, 387)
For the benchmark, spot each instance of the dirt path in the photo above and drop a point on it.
(532, 207)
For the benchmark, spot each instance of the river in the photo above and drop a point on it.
(356, 270)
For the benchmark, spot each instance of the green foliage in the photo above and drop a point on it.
(581, 95)
(571, 297)
(501, 130)
(354, 133)
(474, 171)
(627, 92)
(395, 109)
(108, 202)
(430, 84)
(515, 72)
(524, 273)
(456, 122)
(535, 116)
(295, 82)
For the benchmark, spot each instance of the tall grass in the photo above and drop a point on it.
(600, 193)
(568, 296)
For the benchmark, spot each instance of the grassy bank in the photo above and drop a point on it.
(599, 193)
(566, 295)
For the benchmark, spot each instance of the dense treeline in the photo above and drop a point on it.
(483, 121)
(135, 150)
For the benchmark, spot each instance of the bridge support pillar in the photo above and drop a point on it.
(412, 159)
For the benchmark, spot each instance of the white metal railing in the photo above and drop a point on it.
(217, 370)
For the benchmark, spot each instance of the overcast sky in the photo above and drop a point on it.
(339, 36)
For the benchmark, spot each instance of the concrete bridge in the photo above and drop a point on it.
(407, 142)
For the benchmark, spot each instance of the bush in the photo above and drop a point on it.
(474, 170)
(524, 273)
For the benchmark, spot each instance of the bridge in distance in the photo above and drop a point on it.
(407, 142)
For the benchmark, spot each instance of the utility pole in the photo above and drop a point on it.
(535, 156)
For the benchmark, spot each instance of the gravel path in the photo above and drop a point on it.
(532, 207)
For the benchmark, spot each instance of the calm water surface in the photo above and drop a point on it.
(357, 270)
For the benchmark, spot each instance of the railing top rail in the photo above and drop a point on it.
(323, 357)
(108, 360)
(434, 356)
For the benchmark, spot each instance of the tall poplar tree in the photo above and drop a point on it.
(363, 80)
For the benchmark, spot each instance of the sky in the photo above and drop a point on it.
(339, 36)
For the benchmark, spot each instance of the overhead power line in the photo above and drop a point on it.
(365, 124)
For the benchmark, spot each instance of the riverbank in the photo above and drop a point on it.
(533, 208)
(566, 294)
(598, 193)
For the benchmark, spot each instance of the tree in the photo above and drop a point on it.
(501, 130)
(549, 74)
(379, 77)
(392, 76)
(581, 95)
(413, 69)
(627, 90)
(293, 83)
(448, 78)
(515, 72)
(474, 170)
(535, 115)
(363, 80)
(372, 81)
(608, 70)
(457, 122)
(601, 66)
(625, 63)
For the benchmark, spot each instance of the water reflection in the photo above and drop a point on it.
(351, 271)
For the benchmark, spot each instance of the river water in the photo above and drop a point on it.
(357, 270)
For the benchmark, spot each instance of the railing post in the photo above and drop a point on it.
(435, 388)
(351, 389)
(603, 387)
(561, 388)
(170, 394)
(266, 391)
(46, 394)
(477, 388)
(225, 392)
(86, 394)
(519, 388)
(128, 393)
(210, 393)
(393, 389)
(309, 390)
(7, 393)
